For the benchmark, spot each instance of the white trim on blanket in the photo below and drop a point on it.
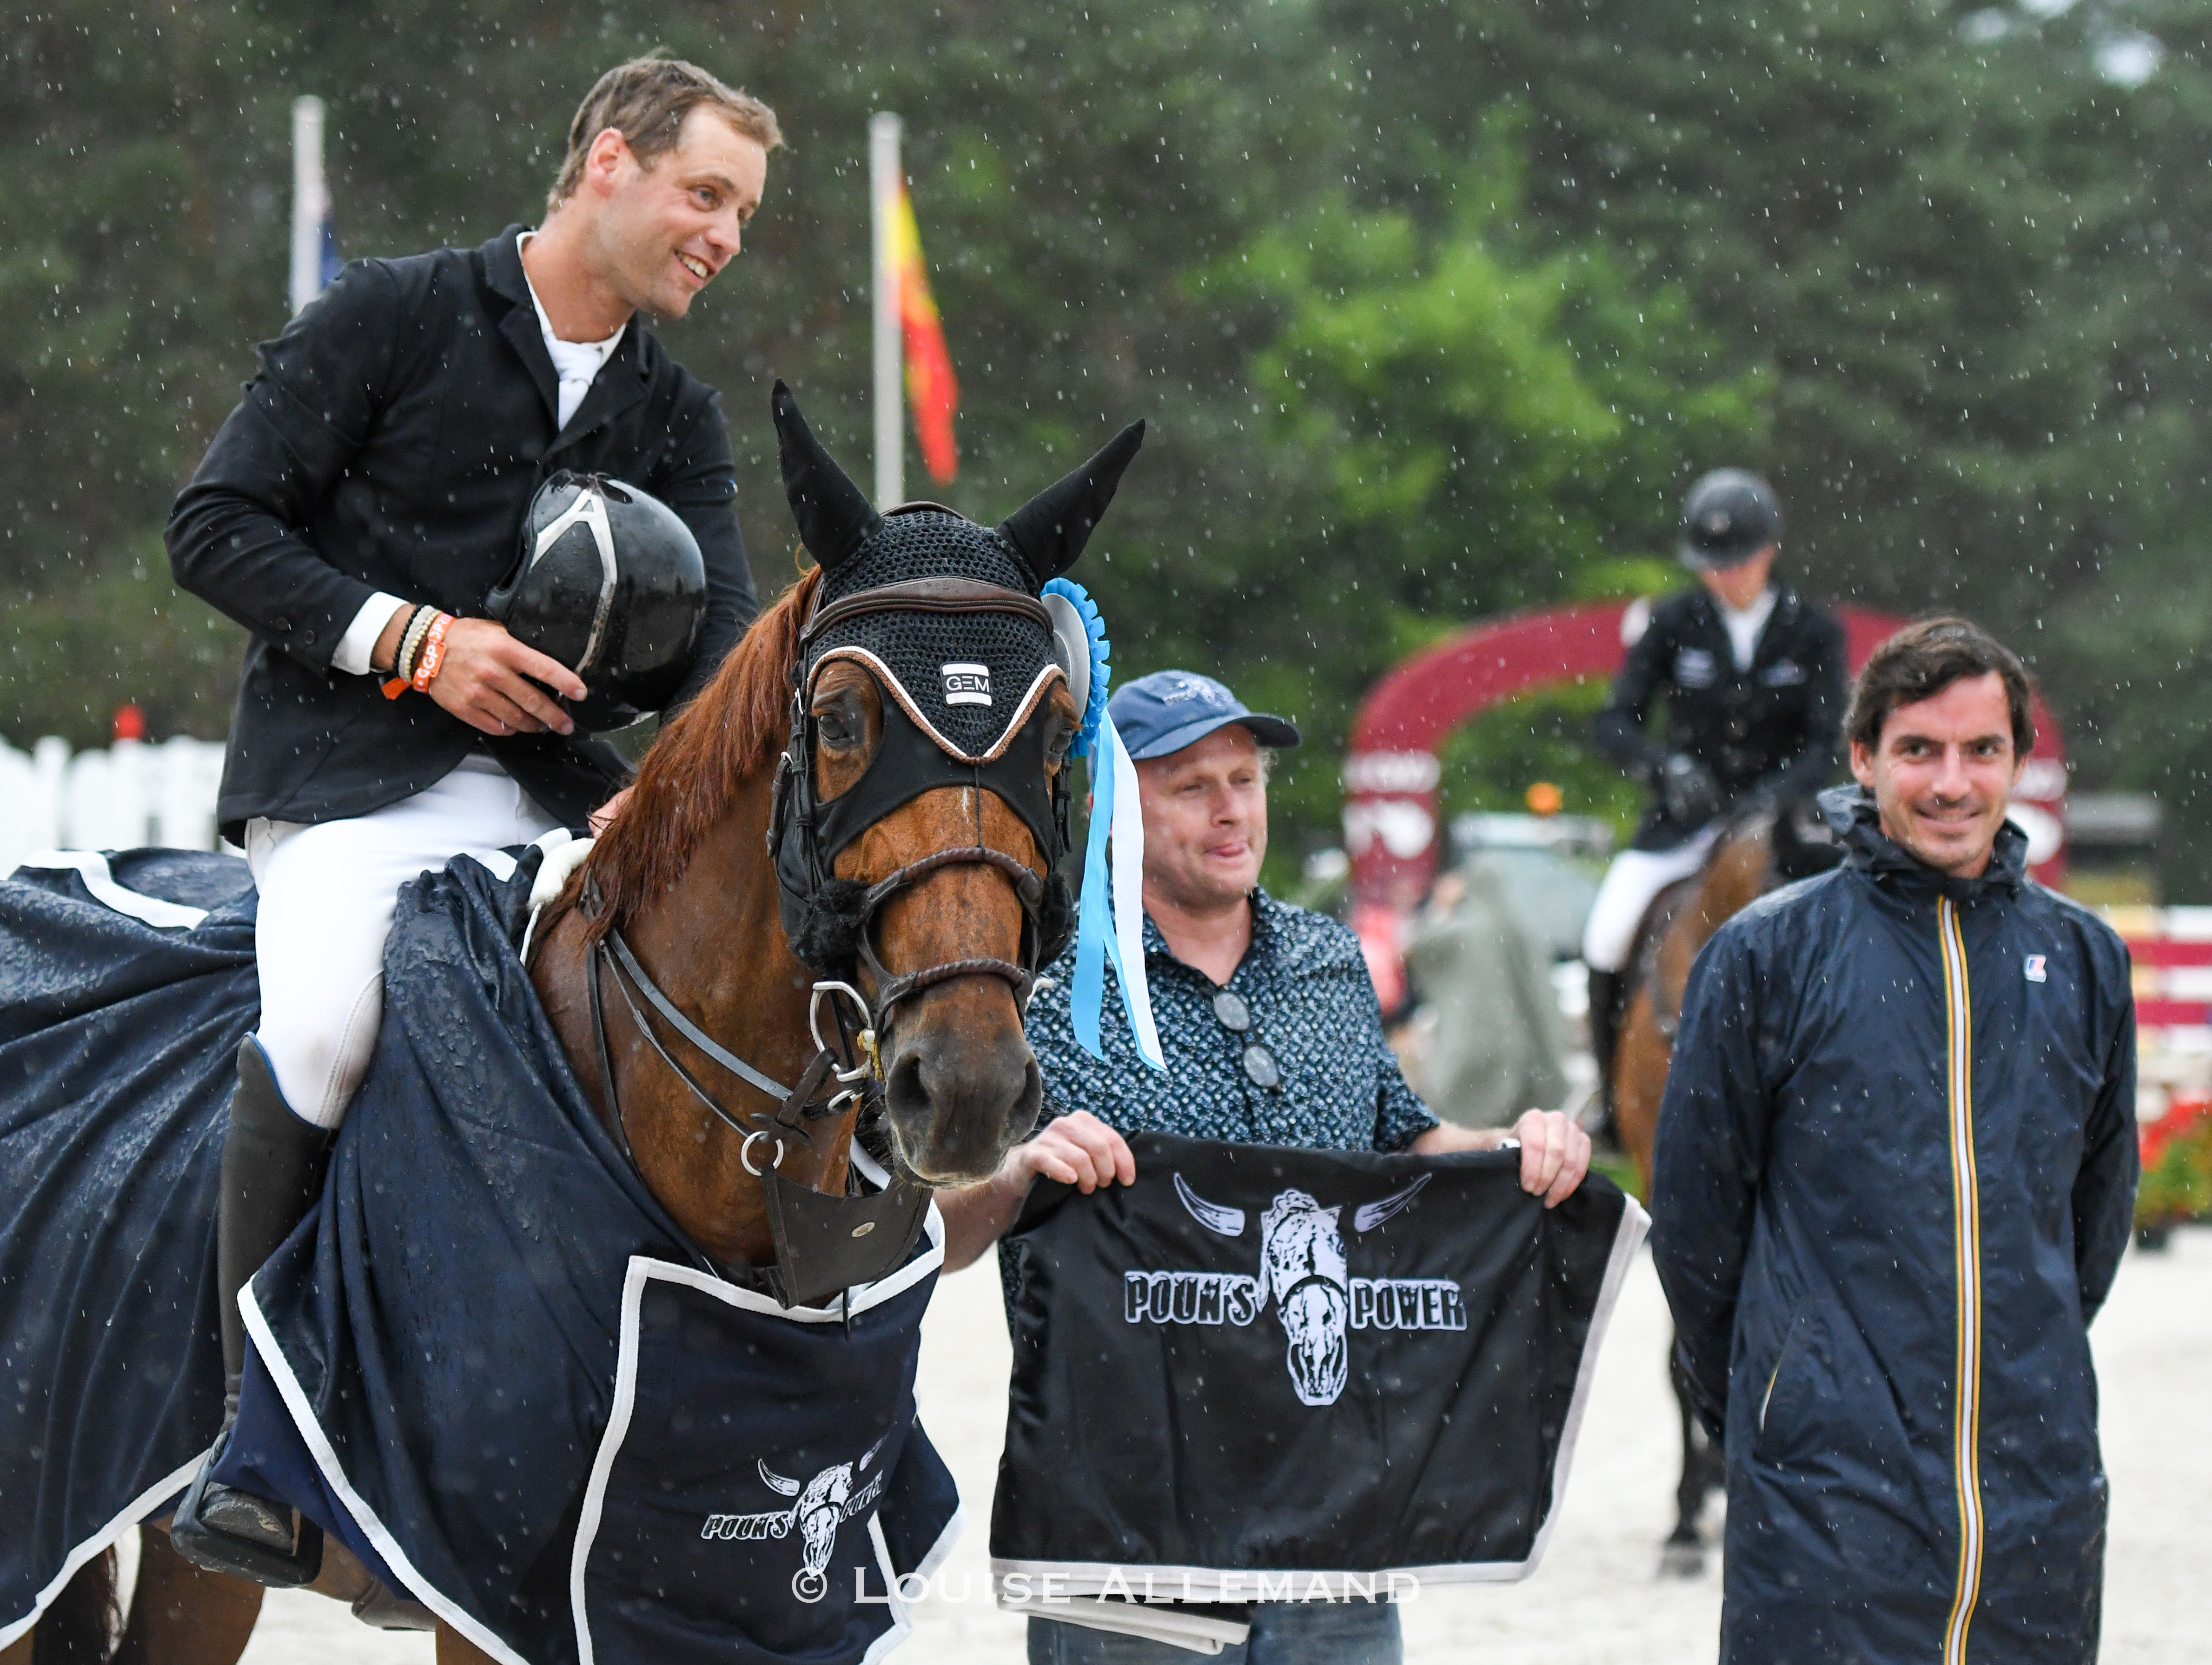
(502, 866)
(1193, 1583)
(91, 867)
(1198, 1632)
(863, 1296)
(136, 1511)
(1634, 1223)
(644, 1269)
(334, 1475)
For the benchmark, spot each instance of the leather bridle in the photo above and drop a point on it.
(806, 832)
(850, 1070)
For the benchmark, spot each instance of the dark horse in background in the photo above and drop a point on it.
(1756, 853)
(685, 873)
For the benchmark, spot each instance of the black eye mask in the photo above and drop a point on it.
(910, 762)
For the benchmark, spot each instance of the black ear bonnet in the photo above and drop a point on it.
(944, 613)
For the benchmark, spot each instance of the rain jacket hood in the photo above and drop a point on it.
(1852, 814)
(1895, 1176)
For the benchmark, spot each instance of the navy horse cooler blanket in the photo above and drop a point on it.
(126, 984)
(489, 1363)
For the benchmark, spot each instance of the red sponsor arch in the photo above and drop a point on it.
(1391, 826)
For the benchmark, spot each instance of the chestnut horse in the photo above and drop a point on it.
(1757, 853)
(682, 872)
(1681, 920)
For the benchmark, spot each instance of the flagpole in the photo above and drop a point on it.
(310, 201)
(883, 182)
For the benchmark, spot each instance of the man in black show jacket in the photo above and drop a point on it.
(353, 512)
(1752, 676)
(1895, 1174)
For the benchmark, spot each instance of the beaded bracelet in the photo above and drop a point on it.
(432, 653)
(410, 642)
(411, 639)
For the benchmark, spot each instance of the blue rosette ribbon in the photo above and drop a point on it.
(1109, 924)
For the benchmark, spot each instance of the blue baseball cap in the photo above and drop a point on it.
(1171, 709)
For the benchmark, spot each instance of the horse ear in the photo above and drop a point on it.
(835, 516)
(1051, 529)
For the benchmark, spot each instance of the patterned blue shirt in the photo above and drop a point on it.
(1312, 1005)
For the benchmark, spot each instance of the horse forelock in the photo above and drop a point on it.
(690, 779)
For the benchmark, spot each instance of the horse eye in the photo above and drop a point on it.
(833, 727)
(1056, 744)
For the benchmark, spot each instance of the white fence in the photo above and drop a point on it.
(117, 799)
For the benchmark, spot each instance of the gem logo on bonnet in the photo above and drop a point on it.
(1304, 1267)
(966, 684)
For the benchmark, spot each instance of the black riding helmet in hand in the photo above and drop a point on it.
(610, 582)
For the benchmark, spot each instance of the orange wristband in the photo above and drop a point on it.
(432, 653)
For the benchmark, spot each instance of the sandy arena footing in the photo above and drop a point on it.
(1598, 1599)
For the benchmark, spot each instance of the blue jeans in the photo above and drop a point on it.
(1283, 1633)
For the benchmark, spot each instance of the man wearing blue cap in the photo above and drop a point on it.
(1272, 1035)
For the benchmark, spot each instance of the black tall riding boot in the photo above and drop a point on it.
(1606, 988)
(272, 1172)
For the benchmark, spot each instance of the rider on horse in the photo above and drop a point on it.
(1754, 681)
(359, 513)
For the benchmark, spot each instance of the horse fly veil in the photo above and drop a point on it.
(947, 616)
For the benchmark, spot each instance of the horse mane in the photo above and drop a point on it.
(691, 777)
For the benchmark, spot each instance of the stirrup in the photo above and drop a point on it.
(213, 1550)
(384, 1609)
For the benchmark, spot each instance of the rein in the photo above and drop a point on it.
(859, 1084)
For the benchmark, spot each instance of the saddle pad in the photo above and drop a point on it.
(488, 1366)
(1271, 1374)
(126, 983)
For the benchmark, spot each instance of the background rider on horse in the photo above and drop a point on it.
(354, 514)
(1755, 682)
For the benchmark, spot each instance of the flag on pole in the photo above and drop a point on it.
(315, 259)
(931, 391)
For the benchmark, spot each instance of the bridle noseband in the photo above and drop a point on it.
(1029, 889)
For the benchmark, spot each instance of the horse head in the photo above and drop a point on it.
(918, 835)
(870, 795)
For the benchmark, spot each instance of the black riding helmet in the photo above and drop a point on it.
(610, 582)
(1727, 516)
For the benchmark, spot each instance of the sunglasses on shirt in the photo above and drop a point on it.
(1259, 1066)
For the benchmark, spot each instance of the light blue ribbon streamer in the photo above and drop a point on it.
(1099, 938)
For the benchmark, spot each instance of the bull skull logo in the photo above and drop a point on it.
(1303, 1268)
(821, 1506)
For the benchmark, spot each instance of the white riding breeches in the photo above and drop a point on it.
(328, 895)
(1635, 877)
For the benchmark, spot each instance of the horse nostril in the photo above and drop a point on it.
(905, 1094)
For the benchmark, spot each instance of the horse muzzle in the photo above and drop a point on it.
(962, 1085)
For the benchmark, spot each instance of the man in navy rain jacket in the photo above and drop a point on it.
(1895, 1173)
